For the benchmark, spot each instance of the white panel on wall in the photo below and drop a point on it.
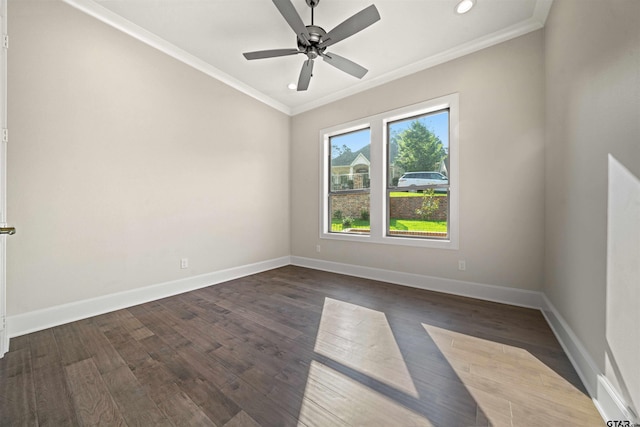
(623, 280)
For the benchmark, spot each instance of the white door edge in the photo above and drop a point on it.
(4, 336)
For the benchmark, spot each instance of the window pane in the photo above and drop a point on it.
(418, 203)
(349, 182)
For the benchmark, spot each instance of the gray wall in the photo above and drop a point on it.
(592, 72)
(124, 160)
(501, 168)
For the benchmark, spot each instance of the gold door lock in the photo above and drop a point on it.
(8, 230)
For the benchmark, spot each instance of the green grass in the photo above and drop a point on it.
(417, 225)
(396, 224)
(336, 224)
(416, 194)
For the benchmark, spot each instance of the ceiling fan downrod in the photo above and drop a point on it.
(312, 4)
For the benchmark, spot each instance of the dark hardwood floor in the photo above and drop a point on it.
(294, 346)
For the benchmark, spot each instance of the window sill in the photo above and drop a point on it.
(417, 242)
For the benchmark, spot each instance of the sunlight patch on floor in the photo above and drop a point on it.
(361, 339)
(507, 382)
(331, 398)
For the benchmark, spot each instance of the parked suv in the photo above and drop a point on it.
(414, 179)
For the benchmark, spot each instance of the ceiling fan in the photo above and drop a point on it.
(313, 40)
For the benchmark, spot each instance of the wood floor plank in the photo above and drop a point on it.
(98, 347)
(136, 406)
(161, 386)
(242, 420)
(53, 399)
(214, 403)
(17, 391)
(161, 324)
(293, 319)
(286, 396)
(92, 400)
(18, 343)
(44, 349)
(197, 331)
(132, 325)
(17, 362)
(131, 351)
(260, 319)
(183, 411)
(260, 408)
(69, 344)
(209, 367)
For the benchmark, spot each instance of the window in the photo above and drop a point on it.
(393, 178)
(417, 193)
(349, 183)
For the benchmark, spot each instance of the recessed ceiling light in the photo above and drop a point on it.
(465, 6)
(292, 86)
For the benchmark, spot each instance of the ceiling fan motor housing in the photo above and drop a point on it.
(316, 37)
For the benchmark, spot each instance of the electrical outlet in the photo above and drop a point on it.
(462, 265)
(318, 248)
(184, 263)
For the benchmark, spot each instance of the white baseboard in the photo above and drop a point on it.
(501, 294)
(38, 320)
(606, 399)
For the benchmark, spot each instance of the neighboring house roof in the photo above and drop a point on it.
(360, 160)
(347, 158)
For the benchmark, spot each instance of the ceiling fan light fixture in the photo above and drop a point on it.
(292, 86)
(464, 6)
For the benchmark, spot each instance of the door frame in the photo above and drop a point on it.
(4, 335)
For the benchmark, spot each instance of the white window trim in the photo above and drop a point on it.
(377, 174)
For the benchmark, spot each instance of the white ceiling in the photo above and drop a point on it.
(412, 35)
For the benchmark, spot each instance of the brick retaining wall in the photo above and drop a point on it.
(405, 208)
(350, 204)
(400, 207)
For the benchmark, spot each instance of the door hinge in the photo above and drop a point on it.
(4, 323)
(5, 41)
(5, 135)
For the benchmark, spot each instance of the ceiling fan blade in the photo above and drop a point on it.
(356, 23)
(305, 75)
(261, 54)
(345, 65)
(289, 13)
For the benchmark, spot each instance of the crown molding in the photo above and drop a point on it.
(116, 21)
(103, 14)
(517, 30)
